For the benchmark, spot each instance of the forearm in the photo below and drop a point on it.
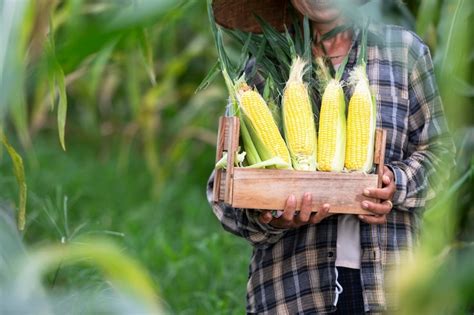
(422, 175)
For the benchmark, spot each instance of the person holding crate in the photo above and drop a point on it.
(305, 262)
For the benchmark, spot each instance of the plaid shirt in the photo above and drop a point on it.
(292, 271)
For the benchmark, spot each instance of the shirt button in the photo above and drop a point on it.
(330, 254)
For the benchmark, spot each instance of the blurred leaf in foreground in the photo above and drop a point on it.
(22, 292)
(15, 25)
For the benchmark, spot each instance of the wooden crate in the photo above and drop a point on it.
(269, 188)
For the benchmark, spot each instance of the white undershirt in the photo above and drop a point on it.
(348, 241)
(348, 238)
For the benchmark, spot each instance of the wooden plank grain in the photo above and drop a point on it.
(381, 164)
(219, 189)
(269, 189)
(232, 131)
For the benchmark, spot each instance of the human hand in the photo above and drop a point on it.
(289, 220)
(385, 195)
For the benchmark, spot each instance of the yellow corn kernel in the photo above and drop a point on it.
(261, 125)
(361, 121)
(298, 120)
(332, 128)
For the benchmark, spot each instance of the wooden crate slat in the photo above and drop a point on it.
(381, 163)
(222, 188)
(231, 148)
(269, 189)
(378, 146)
(217, 189)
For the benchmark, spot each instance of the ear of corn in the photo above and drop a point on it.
(261, 126)
(361, 123)
(298, 120)
(332, 128)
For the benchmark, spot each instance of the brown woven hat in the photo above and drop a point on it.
(241, 14)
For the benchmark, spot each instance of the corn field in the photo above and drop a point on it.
(107, 144)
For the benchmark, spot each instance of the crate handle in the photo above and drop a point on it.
(227, 142)
(379, 154)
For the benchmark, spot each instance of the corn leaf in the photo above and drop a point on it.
(252, 156)
(19, 171)
(270, 95)
(362, 58)
(16, 23)
(99, 64)
(260, 50)
(244, 54)
(19, 115)
(307, 47)
(453, 26)
(464, 88)
(104, 28)
(217, 34)
(298, 36)
(323, 74)
(277, 42)
(56, 80)
(276, 162)
(50, 77)
(258, 59)
(209, 78)
(62, 105)
(426, 17)
(147, 53)
(291, 44)
(277, 37)
(342, 66)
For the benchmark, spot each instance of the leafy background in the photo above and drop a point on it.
(115, 81)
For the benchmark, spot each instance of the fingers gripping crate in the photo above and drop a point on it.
(242, 187)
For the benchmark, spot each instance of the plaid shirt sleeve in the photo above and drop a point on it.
(431, 148)
(244, 222)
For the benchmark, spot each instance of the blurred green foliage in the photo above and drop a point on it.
(117, 79)
(22, 292)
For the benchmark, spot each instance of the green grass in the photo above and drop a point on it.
(198, 267)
